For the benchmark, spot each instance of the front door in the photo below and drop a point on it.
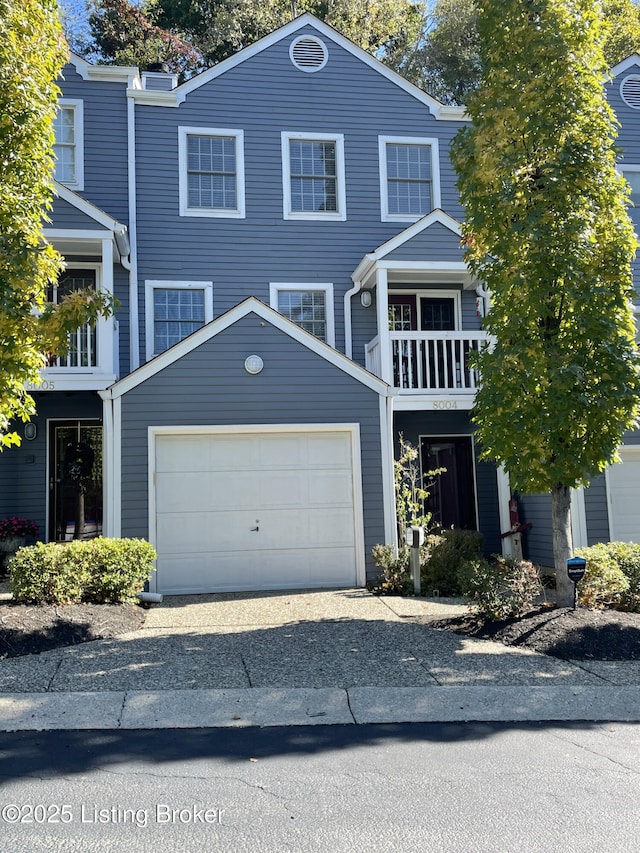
(75, 480)
(452, 494)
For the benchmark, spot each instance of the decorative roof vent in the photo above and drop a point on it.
(630, 91)
(308, 54)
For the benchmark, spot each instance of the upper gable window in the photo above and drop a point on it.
(211, 172)
(409, 177)
(632, 176)
(309, 306)
(313, 176)
(68, 145)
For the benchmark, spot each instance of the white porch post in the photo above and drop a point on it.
(107, 456)
(578, 519)
(382, 312)
(504, 496)
(105, 327)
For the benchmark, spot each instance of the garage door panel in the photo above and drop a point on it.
(212, 490)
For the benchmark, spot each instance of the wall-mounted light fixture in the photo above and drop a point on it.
(365, 298)
(253, 364)
(30, 431)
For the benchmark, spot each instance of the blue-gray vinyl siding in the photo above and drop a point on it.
(65, 215)
(24, 477)
(412, 425)
(595, 506)
(538, 540)
(105, 141)
(435, 243)
(209, 386)
(264, 96)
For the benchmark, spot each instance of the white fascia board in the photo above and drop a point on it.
(438, 110)
(87, 208)
(255, 306)
(107, 73)
(627, 63)
(154, 97)
(416, 228)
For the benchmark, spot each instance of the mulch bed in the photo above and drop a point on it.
(33, 628)
(561, 632)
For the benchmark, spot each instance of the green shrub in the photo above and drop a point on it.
(449, 552)
(605, 583)
(501, 590)
(395, 577)
(98, 570)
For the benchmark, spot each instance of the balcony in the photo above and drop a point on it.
(428, 363)
(82, 350)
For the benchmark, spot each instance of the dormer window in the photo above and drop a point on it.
(68, 146)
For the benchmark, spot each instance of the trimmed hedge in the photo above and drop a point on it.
(504, 589)
(97, 570)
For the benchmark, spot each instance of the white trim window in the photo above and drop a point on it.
(68, 148)
(632, 176)
(211, 172)
(174, 310)
(313, 177)
(309, 306)
(409, 177)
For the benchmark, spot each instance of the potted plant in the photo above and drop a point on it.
(13, 535)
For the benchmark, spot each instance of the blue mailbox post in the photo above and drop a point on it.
(576, 567)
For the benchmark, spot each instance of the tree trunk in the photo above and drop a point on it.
(562, 543)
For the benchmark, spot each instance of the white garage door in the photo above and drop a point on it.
(624, 496)
(256, 510)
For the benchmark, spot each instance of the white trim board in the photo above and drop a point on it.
(248, 306)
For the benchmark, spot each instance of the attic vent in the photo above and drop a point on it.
(308, 54)
(630, 91)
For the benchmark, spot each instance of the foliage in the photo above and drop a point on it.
(450, 552)
(409, 488)
(395, 577)
(448, 63)
(32, 52)
(98, 570)
(612, 577)
(126, 34)
(219, 28)
(547, 229)
(16, 526)
(501, 590)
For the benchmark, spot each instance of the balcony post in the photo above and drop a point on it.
(382, 311)
(104, 327)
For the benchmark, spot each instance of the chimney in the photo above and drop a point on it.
(159, 78)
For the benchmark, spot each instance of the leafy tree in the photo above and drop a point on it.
(32, 52)
(547, 229)
(126, 34)
(448, 62)
(219, 28)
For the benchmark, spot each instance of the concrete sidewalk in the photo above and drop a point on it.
(340, 656)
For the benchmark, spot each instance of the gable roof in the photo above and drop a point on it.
(206, 333)
(436, 216)
(625, 64)
(178, 95)
(97, 214)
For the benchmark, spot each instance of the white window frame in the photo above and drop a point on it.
(338, 215)
(226, 213)
(151, 286)
(275, 287)
(78, 132)
(432, 142)
(623, 169)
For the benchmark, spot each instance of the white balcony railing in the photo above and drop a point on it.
(82, 350)
(429, 362)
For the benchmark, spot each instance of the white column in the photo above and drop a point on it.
(578, 519)
(105, 328)
(504, 496)
(382, 311)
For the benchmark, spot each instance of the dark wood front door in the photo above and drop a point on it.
(75, 480)
(452, 494)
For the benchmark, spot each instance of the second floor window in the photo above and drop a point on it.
(632, 176)
(68, 148)
(174, 310)
(308, 306)
(313, 177)
(409, 185)
(211, 172)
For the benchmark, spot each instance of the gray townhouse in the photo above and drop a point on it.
(282, 233)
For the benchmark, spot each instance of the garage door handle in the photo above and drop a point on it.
(254, 529)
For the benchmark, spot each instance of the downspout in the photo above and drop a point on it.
(131, 265)
(348, 335)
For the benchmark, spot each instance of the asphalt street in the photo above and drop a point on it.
(448, 787)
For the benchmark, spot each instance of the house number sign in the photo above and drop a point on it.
(445, 405)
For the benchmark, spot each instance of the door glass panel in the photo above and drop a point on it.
(437, 315)
(75, 481)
